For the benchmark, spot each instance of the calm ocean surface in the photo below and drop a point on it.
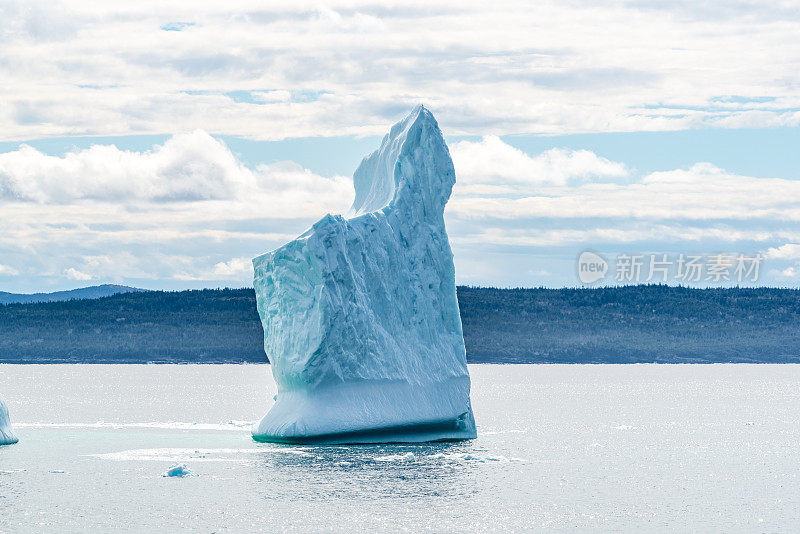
(560, 447)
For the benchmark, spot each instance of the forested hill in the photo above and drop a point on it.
(93, 292)
(606, 325)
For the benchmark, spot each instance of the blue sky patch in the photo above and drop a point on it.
(177, 26)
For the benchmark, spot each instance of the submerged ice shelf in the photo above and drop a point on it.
(7, 436)
(361, 321)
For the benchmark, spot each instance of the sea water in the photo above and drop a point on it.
(572, 447)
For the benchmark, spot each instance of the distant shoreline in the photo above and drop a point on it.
(575, 364)
(615, 325)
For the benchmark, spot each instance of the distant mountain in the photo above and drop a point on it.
(93, 292)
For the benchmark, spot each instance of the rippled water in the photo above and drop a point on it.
(641, 447)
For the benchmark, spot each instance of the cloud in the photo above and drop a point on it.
(188, 212)
(790, 272)
(269, 97)
(499, 68)
(74, 274)
(235, 268)
(35, 20)
(6, 270)
(513, 215)
(184, 210)
(670, 195)
(186, 168)
(789, 251)
(491, 161)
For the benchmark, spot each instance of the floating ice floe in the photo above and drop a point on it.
(361, 321)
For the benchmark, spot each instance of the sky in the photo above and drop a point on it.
(165, 146)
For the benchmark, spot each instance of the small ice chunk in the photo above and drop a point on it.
(180, 471)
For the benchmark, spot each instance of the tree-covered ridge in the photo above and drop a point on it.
(645, 323)
(605, 325)
(92, 292)
(158, 326)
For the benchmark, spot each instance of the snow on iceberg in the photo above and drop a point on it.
(360, 316)
(7, 436)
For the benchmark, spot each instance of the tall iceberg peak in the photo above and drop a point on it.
(7, 436)
(361, 321)
(398, 176)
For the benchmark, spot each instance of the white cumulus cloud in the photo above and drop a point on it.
(188, 167)
(6, 270)
(235, 268)
(74, 274)
(701, 192)
(492, 161)
(789, 251)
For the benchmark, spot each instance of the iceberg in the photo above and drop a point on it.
(361, 322)
(7, 436)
